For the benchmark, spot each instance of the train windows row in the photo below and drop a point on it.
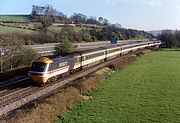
(93, 56)
(62, 64)
(114, 50)
(53, 66)
(56, 65)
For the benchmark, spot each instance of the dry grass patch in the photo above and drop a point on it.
(87, 83)
(46, 111)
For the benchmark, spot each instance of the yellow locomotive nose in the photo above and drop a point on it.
(38, 79)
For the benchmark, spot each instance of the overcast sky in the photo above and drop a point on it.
(136, 14)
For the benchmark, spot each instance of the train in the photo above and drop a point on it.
(50, 68)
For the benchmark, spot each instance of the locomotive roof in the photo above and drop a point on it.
(44, 60)
(66, 56)
(54, 58)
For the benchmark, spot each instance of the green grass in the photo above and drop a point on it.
(146, 91)
(51, 28)
(14, 18)
(58, 29)
(54, 28)
(6, 29)
(77, 29)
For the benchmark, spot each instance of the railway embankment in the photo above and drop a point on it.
(14, 74)
(48, 109)
(146, 91)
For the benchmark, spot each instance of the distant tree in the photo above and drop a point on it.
(117, 25)
(64, 45)
(61, 16)
(70, 33)
(110, 30)
(105, 22)
(168, 38)
(44, 15)
(177, 38)
(65, 39)
(92, 20)
(100, 20)
(79, 18)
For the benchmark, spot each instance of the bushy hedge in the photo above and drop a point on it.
(14, 54)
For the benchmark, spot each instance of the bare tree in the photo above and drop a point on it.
(79, 18)
(60, 15)
(44, 15)
(92, 20)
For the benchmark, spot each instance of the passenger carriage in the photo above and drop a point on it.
(93, 57)
(126, 49)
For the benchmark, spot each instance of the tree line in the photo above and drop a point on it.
(170, 38)
(47, 15)
(58, 16)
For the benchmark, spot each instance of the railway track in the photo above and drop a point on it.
(23, 95)
(12, 86)
(8, 83)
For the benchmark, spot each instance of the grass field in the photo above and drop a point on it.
(146, 91)
(14, 18)
(58, 29)
(51, 28)
(54, 28)
(11, 29)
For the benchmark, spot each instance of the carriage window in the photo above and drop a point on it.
(62, 64)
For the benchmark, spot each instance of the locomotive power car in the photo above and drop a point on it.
(49, 68)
